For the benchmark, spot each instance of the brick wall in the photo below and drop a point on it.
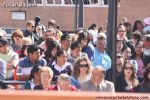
(132, 9)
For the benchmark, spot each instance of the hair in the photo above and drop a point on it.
(16, 32)
(101, 69)
(101, 38)
(52, 44)
(83, 35)
(21, 55)
(75, 45)
(53, 23)
(47, 69)
(59, 53)
(32, 48)
(92, 26)
(137, 35)
(64, 77)
(64, 37)
(133, 76)
(35, 69)
(29, 23)
(146, 72)
(135, 24)
(76, 66)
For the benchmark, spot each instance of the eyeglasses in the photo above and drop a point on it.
(33, 26)
(18, 36)
(128, 68)
(83, 65)
(39, 29)
(0, 46)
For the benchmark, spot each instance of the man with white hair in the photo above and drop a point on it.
(98, 82)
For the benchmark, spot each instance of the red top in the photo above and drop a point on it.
(54, 87)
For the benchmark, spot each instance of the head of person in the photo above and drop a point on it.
(52, 23)
(146, 74)
(65, 41)
(128, 27)
(82, 65)
(83, 38)
(139, 48)
(39, 29)
(98, 75)
(3, 45)
(75, 49)
(146, 41)
(51, 32)
(17, 36)
(64, 82)
(25, 43)
(101, 44)
(61, 56)
(34, 52)
(46, 74)
(30, 25)
(129, 70)
(119, 62)
(93, 27)
(2, 33)
(35, 74)
(119, 45)
(127, 53)
(121, 31)
(52, 49)
(135, 37)
(138, 25)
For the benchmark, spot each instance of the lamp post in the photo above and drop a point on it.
(112, 34)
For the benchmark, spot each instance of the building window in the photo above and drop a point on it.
(58, 2)
(50, 2)
(68, 1)
(17, 15)
(38, 1)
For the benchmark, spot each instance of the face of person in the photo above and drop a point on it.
(30, 28)
(119, 63)
(84, 42)
(37, 77)
(64, 85)
(127, 53)
(97, 76)
(62, 58)
(67, 43)
(139, 48)
(128, 70)
(119, 46)
(17, 38)
(83, 66)
(45, 78)
(101, 45)
(76, 52)
(54, 51)
(35, 55)
(139, 26)
(3, 48)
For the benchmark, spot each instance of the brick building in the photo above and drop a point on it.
(15, 13)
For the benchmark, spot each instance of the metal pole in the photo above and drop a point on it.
(81, 14)
(111, 34)
(76, 14)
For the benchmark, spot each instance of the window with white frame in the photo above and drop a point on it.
(58, 2)
(50, 2)
(18, 15)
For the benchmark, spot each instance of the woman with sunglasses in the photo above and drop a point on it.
(127, 80)
(16, 38)
(81, 71)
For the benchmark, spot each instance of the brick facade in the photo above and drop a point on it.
(64, 15)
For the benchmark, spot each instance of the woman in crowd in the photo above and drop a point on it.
(60, 65)
(138, 26)
(126, 81)
(50, 53)
(81, 71)
(139, 58)
(16, 37)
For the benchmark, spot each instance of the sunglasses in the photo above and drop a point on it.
(18, 36)
(128, 68)
(39, 29)
(84, 65)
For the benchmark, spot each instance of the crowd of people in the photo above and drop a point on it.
(48, 59)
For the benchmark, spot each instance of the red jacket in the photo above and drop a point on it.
(54, 88)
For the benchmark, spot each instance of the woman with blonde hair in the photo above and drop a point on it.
(81, 71)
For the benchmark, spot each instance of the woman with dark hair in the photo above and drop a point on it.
(51, 51)
(60, 65)
(138, 26)
(81, 71)
(126, 81)
(34, 79)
